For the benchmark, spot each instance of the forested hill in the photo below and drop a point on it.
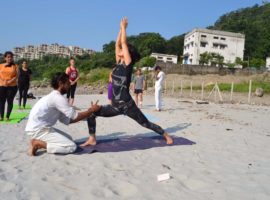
(254, 22)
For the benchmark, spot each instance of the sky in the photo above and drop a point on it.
(93, 23)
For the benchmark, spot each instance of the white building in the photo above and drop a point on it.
(268, 63)
(165, 57)
(227, 44)
(37, 52)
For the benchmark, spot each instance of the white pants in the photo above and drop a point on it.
(56, 142)
(158, 100)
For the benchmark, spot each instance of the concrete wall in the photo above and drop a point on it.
(170, 68)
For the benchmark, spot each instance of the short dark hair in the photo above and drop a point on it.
(134, 54)
(71, 58)
(57, 78)
(8, 53)
(157, 68)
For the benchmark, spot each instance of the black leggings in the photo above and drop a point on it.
(130, 109)
(23, 89)
(71, 91)
(7, 94)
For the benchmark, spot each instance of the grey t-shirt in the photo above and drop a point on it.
(138, 81)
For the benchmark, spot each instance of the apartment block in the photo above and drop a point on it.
(227, 44)
(37, 52)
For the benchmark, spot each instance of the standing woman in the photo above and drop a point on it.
(73, 75)
(24, 83)
(122, 102)
(8, 84)
(139, 85)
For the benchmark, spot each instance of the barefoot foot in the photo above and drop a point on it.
(91, 141)
(168, 138)
(32, 148)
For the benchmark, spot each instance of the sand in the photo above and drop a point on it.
(229, 160)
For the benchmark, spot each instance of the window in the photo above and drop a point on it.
(215, 37)
(215, 46)
(203, 44)
(203, 36)
(222, 46)
(169, 58)
(159, 57)
(192, 44)
(223, 38)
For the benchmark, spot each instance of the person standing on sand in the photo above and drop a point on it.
(139, 85)
(122, 102)
(159, 77)
(47, 111)
(24, 83)
(8, 84)
(73, 74)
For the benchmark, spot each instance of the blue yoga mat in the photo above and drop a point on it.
(130, 144)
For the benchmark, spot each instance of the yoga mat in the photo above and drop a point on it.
(15, 117)
(27, 107)
(151, 117)
(130, 144)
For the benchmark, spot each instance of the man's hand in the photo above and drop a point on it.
(94, 107)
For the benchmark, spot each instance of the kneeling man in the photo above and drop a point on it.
(47, 111)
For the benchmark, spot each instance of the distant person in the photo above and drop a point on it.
(73, 74)
(122, 102)
(47, 111)
(8, 84)
(110, 89)
(23, 83)
(139, 85)
(159, 80)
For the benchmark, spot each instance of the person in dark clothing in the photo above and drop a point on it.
(24, 83)
(122, 102)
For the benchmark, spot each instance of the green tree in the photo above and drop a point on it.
(254, 22)
(146, 62)
(175, 45)
(257, 63)
(204, 58)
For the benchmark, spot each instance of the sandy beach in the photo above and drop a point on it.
(223, 154)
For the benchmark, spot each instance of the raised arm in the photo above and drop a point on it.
(124, 45)
(118, 47)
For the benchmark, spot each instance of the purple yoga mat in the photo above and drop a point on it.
(130, 144)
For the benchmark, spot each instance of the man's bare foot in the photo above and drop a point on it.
(157, 110)
(33, 148)
(35, 145)
(91, 141)
(168, 138)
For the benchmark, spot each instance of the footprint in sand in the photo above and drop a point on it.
(194, 184)
(123, 189)
(6, 186)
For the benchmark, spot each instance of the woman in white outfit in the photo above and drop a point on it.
(159, 76)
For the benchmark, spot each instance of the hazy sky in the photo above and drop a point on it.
(92, 23)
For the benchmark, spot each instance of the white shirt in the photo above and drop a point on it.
(48, 110)
(159, 82)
